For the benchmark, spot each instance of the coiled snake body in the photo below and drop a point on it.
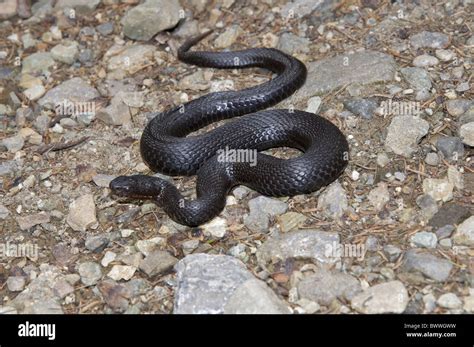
(165, 147)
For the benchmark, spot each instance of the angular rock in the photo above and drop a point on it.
(291, 44)
(261, 209)
(157, 262)
(451, 147)
(122, 272)
(206, 282)
(216, 228)
(424, 239)
(439, 189)
(228, 37)
(14, 143)
(35, 92)
(90, 273)
(457, 107)
(404, 133)
(16, 283)
(82, 213)
(416, 77)
(333, 201)
(65, 52)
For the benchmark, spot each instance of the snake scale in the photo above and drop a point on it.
(167, 147)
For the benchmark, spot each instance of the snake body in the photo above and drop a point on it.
(166, 148)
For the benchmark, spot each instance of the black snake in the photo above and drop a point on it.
(166, 148)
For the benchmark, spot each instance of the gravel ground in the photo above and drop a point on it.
(395, 233)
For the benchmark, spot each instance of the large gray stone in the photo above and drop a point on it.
(324, 286)
(309, 244)
(332, 73)
(75, 90)
(148, 19)
(206, 282)
(430, 265)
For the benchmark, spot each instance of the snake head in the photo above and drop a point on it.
(137, 186)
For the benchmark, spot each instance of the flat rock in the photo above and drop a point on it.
(132, 59)
(389, 297)
(148, 19)
(362, 107)
(418, 78)
(255, 297)
(325, 286)
(427, 39)
(301, 244)
(457, 107)
(27, 222)
(424, 239)
(121, 272)
(37, 63)
(332, 73)
(429, 265)
(65, 52)
(449, 214)
(75, 90)
(82, 7)
(261, 209)
(449, 301)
